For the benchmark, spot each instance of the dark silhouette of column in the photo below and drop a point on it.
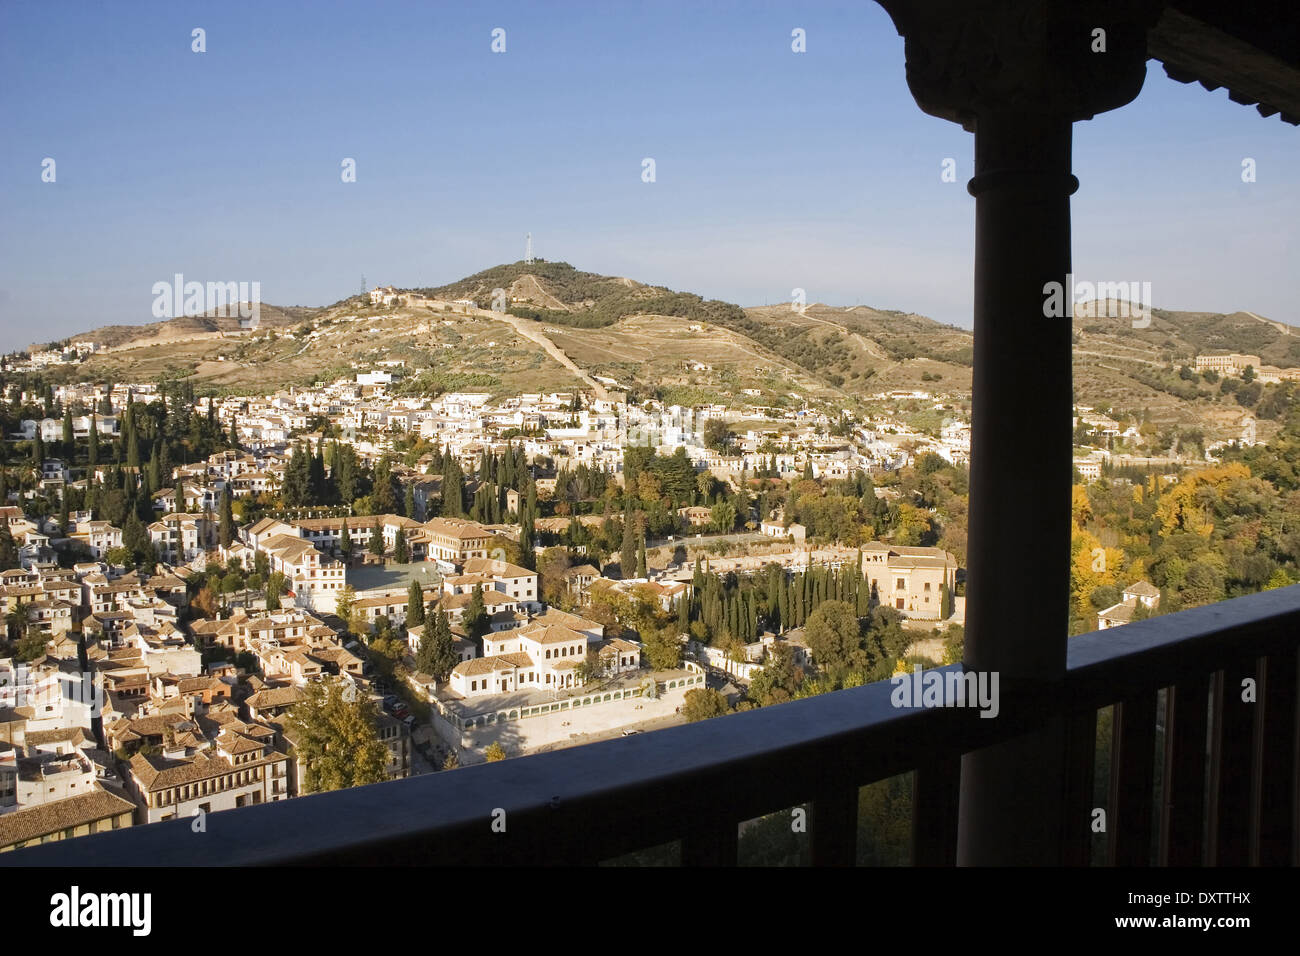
(1018, 74)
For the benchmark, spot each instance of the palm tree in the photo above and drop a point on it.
(15, 621)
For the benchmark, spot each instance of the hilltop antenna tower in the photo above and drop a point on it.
(363, 283)
(528, 249)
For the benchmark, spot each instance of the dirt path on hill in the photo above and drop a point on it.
(533, 332)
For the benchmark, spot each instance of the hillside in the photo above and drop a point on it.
(556, 292)
(187, 326)
(565, 327)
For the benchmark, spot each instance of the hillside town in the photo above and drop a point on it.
(445, 564)
(195, 587)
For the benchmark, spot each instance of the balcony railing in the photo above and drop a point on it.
(1208, 777)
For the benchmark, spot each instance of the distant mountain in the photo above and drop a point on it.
(564, 327)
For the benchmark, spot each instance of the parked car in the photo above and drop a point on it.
(409, 720)
(629, 733)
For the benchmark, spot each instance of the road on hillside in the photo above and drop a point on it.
(533, 332)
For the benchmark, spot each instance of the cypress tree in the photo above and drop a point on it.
(297, 478)
(8, 550)
(627, 553)
(132, 443)
(453, 488)
(527, 541)
(154, 475)
(227, 529)
(437, 653)
(316, 477)
(783, 605)
(414, 606)
(92, 443)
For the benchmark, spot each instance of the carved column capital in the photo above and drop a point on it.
(967, 58)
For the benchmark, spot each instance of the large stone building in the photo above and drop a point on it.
(455, 540)
(919, 582)
(241, 769)
(1232, 363)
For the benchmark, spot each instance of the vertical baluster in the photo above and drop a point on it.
(1077, 800)
(1182, 811)
(936, 786)
(1233, 746)
(1277, 777)
(835, 827)
(712, 841)
(1132, 780)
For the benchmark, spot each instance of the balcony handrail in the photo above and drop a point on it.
(601, 800)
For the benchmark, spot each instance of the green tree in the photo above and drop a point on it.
(296, 490)
(834, 635)
(703, 703)
(227, 529)
(401, 553)
(275, 586)
(377, 538)
(662, 649)
(414, 606)
(385, 500)
(343, 604)
(437, 654)
(336, 739)
(717, 435)
(31, 646)
(453, 489)
(627, 553)
(724, 516)
(8, 549)
(475, 619)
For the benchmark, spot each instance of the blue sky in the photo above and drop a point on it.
(774, 170)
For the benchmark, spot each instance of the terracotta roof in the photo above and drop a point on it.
(155, 773)
(1143, 589)
(32, 823)
(275, 697)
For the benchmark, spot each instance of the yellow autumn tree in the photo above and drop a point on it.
(1091, 567)
(1186, 506)
(1080, 507)
(913, 525)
